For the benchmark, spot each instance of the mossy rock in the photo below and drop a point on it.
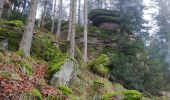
(132, 95)
(100, 70)
(65, 90)
(103, 59)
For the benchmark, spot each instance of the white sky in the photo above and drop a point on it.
(149, 12)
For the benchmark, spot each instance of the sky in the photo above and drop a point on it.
(150, 9)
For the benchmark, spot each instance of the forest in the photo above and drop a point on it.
(84, 49)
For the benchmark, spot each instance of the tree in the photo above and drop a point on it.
(73, 26)
(1, 7)
(59, 17)
(85, 30)
(70, 22)
(79, 12)
(26, 41)
(53, 20)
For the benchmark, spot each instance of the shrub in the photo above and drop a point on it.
(65, 90)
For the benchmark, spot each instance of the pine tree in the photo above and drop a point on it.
(26, 41)
(59, 17)
(85, 30)
(73, 26)
(54, 13)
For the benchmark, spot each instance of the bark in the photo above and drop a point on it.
(79, 13)
(54, 13)
(72, 43)
(70, 21)
(1, 7)
(24, 5)
(85, 30)
(26, 41)
(59, 17)
(43, 13)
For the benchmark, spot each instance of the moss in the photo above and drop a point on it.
(100, 70)
(36, 93)
(20, 53)
(99, 66)
(103, 59)
(14, 23)
(132, 95)
(110, 95)
(54, 66)
(65, 90)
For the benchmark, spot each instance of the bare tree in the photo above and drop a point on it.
(85, 30)
(59, 17)
(73, 24)
(26, 41)
(1, 7)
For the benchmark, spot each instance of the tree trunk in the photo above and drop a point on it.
(1, 7)
(43, 14)
(70, 21)
(54, 13)
(26, 41)
(24, 6)
(59, 17)
(85, 30)
(72, 43)
(79, 12)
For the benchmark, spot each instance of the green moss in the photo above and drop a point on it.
(36, 93)
(132, 95)
(54, 66)
(100, 70)
(44, 49)
(128, 95)
(110, 95)
(99, 66)
(65, 90)
(15, 23)
(103, 59)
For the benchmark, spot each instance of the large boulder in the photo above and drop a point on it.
(65, 74)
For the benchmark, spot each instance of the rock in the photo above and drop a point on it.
(65, 74)
(4, 44)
